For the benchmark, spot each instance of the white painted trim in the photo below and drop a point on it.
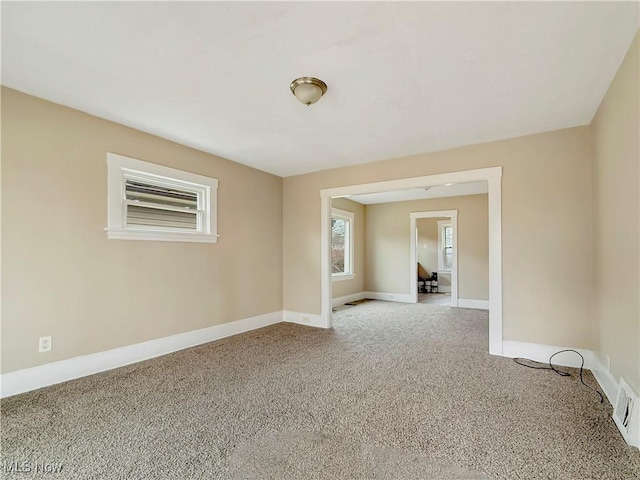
(542, 353)
(495, 264)
(414, 182)
(608, 384)
(130, 163)
(326, 285)
(354, 297)
(308, 319)
(493, 175)
(413, 260)
(27, 379)
(132, 234)
(390, 297)
(470, 303)
(351, 233)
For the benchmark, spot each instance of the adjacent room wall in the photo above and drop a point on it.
(615, 134)
(546, 227)
(427, 252)
(341, 288)
(389, 238)
(427, 246)
(62, 277)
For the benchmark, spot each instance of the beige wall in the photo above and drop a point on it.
(62, 277)
(341, 288)
(427, 250)
(389, 237)
(427, 244)
(616, 166)
(546, 223)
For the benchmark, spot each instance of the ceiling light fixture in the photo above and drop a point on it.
(448, 184)
(308, 89)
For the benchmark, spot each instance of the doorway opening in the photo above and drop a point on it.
(437, 258)
(492, 175)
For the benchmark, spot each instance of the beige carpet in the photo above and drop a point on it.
(395, 391)
(443, 299)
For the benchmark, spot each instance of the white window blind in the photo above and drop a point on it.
(155, 205)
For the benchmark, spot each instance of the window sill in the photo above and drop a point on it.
(337, 277)
(125, 234)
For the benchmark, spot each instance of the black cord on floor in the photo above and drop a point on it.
(541, 366)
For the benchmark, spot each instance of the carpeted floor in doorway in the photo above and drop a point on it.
(394, 391)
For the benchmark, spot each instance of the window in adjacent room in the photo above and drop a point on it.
(341, 244)
(445, 245)
(151, 202)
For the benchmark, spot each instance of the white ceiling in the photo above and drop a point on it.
(436, 191)
(403, 78)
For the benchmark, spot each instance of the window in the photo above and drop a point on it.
(445, 245)
(151, 202)
(341, 244)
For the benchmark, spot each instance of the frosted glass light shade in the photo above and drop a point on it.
(308, 90)
(308, 93)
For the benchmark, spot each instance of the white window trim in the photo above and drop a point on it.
(350, 217)
(441, 225)
(121, 167)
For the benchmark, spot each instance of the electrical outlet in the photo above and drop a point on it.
(608, 360)
(44, 345)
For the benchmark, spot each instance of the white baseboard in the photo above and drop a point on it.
(354, 297)
(309, 319)
(631, 432)
(541, 353)
(608, 384)
(389, 297)
(477, 304)
(27, 379)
